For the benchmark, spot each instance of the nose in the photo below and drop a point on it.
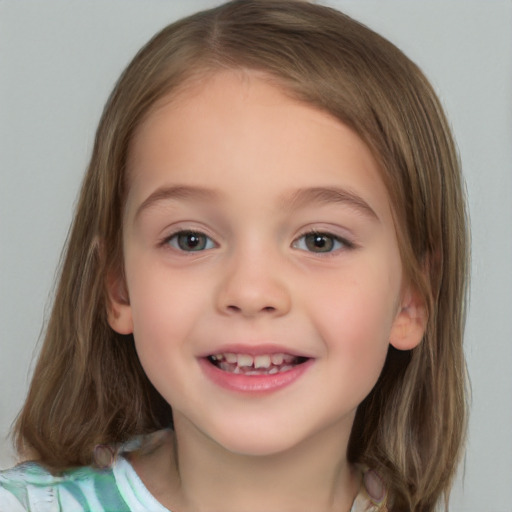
(253, 285)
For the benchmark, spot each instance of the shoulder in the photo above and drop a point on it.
(29, 487)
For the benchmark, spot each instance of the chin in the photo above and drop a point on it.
(257, 440)
(257, 447)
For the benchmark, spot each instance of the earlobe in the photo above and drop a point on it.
(119, 313)
(410, 322)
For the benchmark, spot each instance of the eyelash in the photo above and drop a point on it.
(168, 241)
(338, 243)
(334, 242)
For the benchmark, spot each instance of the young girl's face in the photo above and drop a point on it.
(263, 277)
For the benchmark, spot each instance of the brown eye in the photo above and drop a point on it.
(190, 241)
(320, 242)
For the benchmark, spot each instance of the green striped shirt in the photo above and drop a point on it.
(29, 487)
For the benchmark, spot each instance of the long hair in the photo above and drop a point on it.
(88, 386)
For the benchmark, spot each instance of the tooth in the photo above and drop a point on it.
(261, 361)
(273, 370)
(288, 358)
(285, 368)
(218, 357)
(230, 358)
(277, 359)
(244, 360)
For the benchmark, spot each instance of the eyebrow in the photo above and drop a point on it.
(328, 195)
(177, 192)
(298, 199)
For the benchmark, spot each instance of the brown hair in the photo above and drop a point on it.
(88, 386)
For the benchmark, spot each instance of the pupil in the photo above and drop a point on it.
(191, 241)
(319, 243)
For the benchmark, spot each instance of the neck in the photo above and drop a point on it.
(199, 475)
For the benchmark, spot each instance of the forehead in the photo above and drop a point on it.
(243, 123)
(257, 94)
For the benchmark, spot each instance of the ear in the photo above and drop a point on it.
(410, 322)
(119, 312)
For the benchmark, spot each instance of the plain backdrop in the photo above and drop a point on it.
(59, 61)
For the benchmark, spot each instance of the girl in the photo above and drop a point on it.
(261, 304)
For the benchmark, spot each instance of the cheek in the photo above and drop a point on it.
(162, 322)
(355, 320)
(165, 306)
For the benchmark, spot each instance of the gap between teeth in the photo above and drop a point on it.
(264, 361)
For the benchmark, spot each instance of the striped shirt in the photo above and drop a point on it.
(29, 487)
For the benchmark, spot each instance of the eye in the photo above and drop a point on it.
(320, 242)
(190, 241)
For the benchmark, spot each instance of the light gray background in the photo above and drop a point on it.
(60, 59)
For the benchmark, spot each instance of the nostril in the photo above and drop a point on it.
(238, 309)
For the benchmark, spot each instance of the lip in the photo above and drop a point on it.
(254, 350)
(257, 384)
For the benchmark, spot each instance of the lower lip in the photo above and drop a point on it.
(253, 383)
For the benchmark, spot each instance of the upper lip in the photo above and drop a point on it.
(255, 350)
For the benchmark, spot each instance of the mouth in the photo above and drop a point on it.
(261, 364)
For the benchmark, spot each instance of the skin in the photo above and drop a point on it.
(259, 280)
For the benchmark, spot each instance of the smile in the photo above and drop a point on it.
(254, 373)
(262, 364)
